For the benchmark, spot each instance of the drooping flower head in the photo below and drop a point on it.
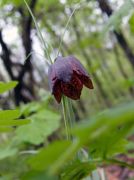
(67, 76)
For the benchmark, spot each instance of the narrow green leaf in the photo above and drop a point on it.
(131, 23)
(9, 114)
(7, 86)
(105, 122)
(78, 170)
(47, 156)
(38, 175)
(54, 157)
(5, 129)
(45, 47)
(17, 122)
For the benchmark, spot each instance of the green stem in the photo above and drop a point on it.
(39, 33)
(65, 30)
(70, 112)
(120, 163)
(68, 116)
(111, 161)
(65, 116)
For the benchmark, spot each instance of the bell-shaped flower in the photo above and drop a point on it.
(67, 77)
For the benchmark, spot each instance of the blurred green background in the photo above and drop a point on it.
(100, 34)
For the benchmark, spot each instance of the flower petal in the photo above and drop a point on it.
(63, 69)
(70, 91)
(76, 82)
(57, 92)
(81, 72)
(77, 66)
(87, 82)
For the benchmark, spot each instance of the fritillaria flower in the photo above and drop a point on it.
(67, 77)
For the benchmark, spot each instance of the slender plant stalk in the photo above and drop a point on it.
(65, 30)
(69, 19)
(65, 115)
(71, 112)
(33, 52)
(39, 33)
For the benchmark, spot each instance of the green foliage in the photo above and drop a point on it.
(47, 156)
(93, 41)
(14, 122)
(43, 124)
(7, 150)
(116, 18)
(10, 118)
(128, 83)
(104, 135)
(131, 23)
(9, 114)
(33, 175)
(49, 4)
(15, 2)
(77, 170)
(105, 122)
(7, 86)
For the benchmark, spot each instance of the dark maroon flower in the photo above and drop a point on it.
(67, 76)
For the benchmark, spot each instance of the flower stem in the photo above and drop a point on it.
(68, 116)
(70, 113)
(65, 116)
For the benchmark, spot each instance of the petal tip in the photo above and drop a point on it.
(87, 82)
(58, 98)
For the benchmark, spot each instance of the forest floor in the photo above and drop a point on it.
(120, 173)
